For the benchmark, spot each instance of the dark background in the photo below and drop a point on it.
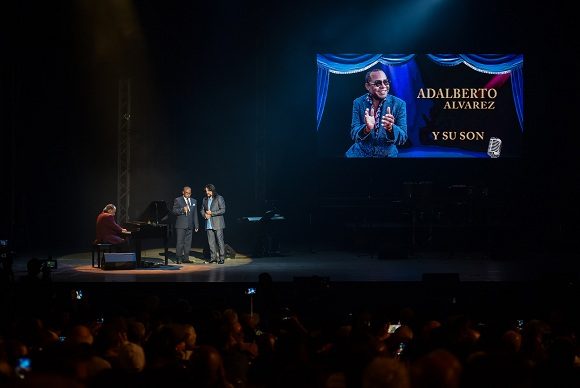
(225, 94)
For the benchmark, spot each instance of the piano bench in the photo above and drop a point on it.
(100, 249)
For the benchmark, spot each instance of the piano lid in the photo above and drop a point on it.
(155, 213)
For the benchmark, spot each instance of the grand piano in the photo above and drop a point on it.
(151, 224)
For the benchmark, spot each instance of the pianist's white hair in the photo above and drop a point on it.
(109, 207)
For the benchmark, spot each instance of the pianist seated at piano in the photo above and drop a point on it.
(108, 231)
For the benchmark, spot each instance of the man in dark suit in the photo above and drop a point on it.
(108, 231)
(213, 209)
(379, 120)
(185, 208)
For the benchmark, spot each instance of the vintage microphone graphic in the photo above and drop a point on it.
(494, 147)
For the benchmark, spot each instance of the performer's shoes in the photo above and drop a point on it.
(212, 261)
(220, 262)
(188, 261)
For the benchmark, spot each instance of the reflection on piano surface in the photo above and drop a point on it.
(151, 224)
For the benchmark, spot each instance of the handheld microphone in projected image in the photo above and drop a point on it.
(494, 147)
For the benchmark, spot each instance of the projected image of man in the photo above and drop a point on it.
(379, 120)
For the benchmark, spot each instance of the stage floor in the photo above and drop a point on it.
(337, 266)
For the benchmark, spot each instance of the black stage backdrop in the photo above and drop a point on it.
(225, 93)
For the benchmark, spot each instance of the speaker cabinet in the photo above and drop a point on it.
(116, 260)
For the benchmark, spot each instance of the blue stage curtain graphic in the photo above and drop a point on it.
(348, 64)
(517, 77)
(322, 81)
(353, 63)
(492, 64)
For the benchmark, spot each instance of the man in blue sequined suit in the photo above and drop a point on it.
(379, 120)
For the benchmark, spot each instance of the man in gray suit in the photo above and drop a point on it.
(185, 208)
(212, 210)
